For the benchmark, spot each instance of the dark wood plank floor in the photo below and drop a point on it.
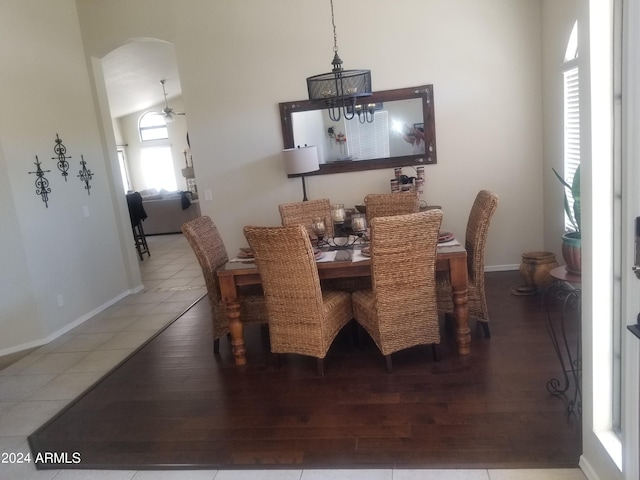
(173, 404)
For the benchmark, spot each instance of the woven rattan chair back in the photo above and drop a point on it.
(302, 213)
(482, 210)
(480, 216)
(302, 318)
(387, 204)
(206, 242)
(401, 309)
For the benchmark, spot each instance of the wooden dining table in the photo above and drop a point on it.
(449, 258)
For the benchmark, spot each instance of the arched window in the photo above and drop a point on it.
(152, 127)
(571, 96)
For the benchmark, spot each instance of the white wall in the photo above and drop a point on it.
(46, 252)
(238, 60)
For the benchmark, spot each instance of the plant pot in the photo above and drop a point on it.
(571, 252)
(536, 269)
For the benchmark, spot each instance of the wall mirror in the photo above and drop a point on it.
(356, 145)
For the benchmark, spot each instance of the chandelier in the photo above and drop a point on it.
(340, 89)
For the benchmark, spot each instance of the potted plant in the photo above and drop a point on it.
(572, 240)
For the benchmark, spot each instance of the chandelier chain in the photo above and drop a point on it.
(335, 36)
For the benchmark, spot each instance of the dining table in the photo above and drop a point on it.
(239, 272)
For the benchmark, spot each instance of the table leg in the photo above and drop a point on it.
(229, 294)
(459, 286)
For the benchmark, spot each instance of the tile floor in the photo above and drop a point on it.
(40, 383)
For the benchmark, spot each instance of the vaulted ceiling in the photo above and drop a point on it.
(132, 75)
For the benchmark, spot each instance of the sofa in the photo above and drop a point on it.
(167, 211)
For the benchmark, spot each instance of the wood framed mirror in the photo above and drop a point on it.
(357, 145)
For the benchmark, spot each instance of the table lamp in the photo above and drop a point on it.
(301, 160)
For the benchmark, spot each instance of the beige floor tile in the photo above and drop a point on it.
(85, 342)
(27, 417)
(439, 474)
(147, 297)
(546, 474)
(16, 388)
(347, 474)
(96, 475)
(128, 339)
(66, 386)
(177, 475)
(24, 362)
(100, 361)
(54, 363)
(151, 322)
(167, 308)
(260, 475)
(106, 324)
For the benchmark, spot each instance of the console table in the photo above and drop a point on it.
(567, 289)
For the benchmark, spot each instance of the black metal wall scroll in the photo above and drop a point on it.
(60, 150)
(85, 175)
(42, 184)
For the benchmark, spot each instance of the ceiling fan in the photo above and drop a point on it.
(167, 112)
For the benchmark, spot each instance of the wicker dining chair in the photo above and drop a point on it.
(303, 318)
(386, 204)
(401, 311)
(480, 216)
(203, 236)
(302, 213)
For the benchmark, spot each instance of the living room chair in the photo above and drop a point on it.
(203, 236)
(303, 318)
(401, 311)
(137, 215)
(480, 216)
(302, 213)
(386, 204)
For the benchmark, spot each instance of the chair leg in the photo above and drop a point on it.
(436, 354)
(485, 329)
(389, 366)
(320, 366)
(216, 346)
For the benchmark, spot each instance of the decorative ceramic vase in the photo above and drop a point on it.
(536, 267)
(571, 252)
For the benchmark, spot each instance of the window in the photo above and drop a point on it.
(124, 172)
(152, 127)
(571, 94)
(157, 165)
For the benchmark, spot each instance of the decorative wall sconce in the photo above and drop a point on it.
(85, 175)
(60, 150)
(339, 88)
(42, 184)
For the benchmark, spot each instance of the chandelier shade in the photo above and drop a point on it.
(339, 89)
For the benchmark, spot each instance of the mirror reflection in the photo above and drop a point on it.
(397, 130)
(402, 132)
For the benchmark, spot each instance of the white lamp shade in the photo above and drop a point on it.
(301, 160)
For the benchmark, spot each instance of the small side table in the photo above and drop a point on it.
(567, 288)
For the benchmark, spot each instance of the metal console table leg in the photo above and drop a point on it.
(567, 289)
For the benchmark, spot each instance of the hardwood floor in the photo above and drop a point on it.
(173, 404)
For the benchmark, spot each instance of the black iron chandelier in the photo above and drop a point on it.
(340, 89)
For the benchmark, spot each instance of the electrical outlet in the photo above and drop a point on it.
(60, 301)
(85, 211)
(207, 195)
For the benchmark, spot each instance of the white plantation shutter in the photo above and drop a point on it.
(571, 129)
